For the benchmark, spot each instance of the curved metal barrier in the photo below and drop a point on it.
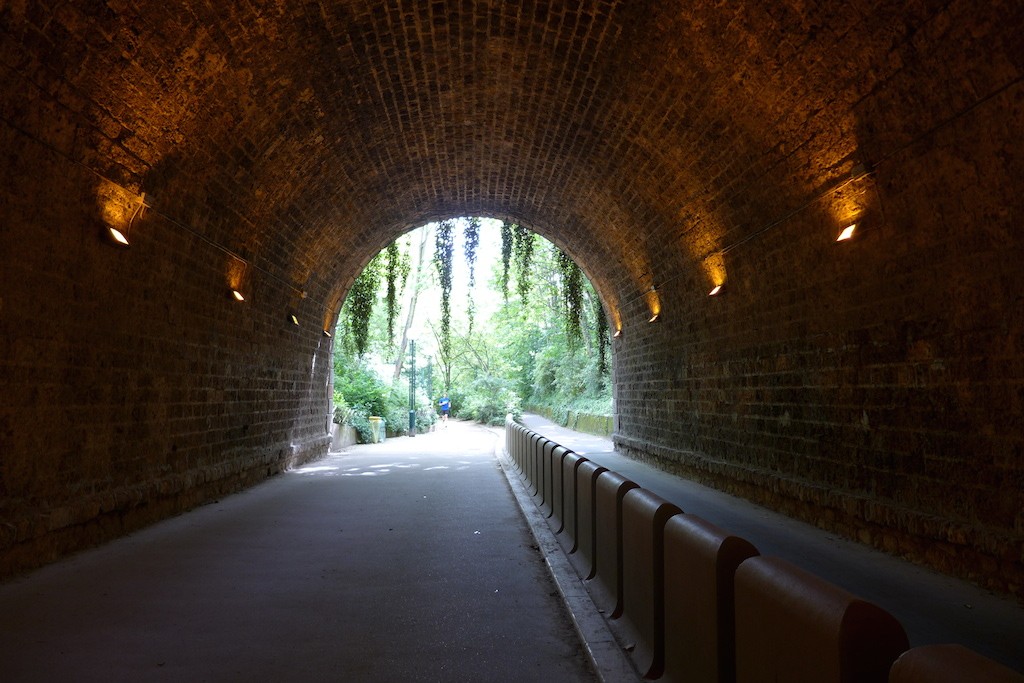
(694, 603)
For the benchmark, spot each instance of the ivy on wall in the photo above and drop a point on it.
(524, 242)
(572, 298)
(444, 248)
(580, 307)
(471, 240)
(397, 270)
(506, 255)
(360, 302)
(601, 336)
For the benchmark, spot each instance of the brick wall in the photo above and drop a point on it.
(873, 387)
(132, 386)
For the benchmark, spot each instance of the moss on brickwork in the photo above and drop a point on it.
(601, 425)
(667, 147)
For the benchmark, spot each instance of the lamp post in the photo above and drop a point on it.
(412, 387)
(430, 378)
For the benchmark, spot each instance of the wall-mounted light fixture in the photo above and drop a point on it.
(618, 334)
(331, 313)
(117, 235)
(847, 233)
(295, 321)
(120, 235)
(654, 304)
(238, 268)
(715, 291)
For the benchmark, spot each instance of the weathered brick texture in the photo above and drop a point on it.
(873, 387)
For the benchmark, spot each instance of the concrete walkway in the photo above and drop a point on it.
(402, 561)
(933, 608)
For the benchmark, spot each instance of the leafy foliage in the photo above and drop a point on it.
(601, 337)
(360, 301)
(471, 240)
(507, 239)
(397, 270)
(572, 298)
(551, 352)
(359, 393)
(524, 242)
(444, 247)
(491, 398)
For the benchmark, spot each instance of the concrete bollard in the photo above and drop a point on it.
(700, 568)
(544, 477)
(566, 529)
(606, 585)
(582, 557)
(520, 437)
(949, 664)
(642, 623)
(513, 436)
(793, 626)
(555, 488)
(533, 448)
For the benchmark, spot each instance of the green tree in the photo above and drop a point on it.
(548, 348)
(359, 304)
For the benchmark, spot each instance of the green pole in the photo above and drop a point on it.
(412, 387)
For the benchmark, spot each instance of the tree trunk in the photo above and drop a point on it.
(414, 295)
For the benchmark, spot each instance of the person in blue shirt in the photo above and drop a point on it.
(446, 405)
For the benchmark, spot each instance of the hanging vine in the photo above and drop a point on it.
(507, 239)
(397, 271)
(524, 242)
(359, 303)
(572, 298)
(601, 332)
(471, 240)
(444, 247)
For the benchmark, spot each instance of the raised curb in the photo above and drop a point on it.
(606, 656)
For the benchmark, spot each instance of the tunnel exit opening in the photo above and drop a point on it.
(480, 315)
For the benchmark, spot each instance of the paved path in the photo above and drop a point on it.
(933, 608)
(402, 561)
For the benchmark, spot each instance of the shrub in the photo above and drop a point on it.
(490, 399)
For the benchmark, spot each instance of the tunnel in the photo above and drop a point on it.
(872, 386)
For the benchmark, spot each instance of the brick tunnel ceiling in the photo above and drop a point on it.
(307, 136)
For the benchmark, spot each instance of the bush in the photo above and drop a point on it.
(396, 414)
(367, 395)
(426, 413)
(490, 399)
(360, 387)
(342, 410)
(361, 422)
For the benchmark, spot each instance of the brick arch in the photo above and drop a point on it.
(667, 146)
(336, 290)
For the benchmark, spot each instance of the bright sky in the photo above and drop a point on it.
(487, 301)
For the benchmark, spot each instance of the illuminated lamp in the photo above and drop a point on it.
(117, 235)
(327, 334)
(237, 295)
(120, 235)
(715, 291)
(295, 321)
(847, 233)
(618, 333)
(655, 318)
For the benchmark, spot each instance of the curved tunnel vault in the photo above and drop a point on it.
(872, 387)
